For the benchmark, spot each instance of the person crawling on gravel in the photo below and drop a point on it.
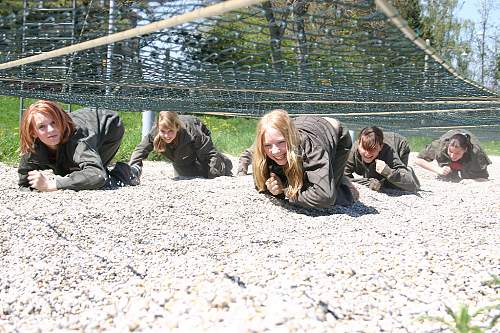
(302, 160)
(458, 155)
(186, 142)
(382, 161)
(77, 147)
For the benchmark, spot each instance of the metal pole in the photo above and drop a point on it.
(109, 55)
(23, 52)
(426, 63)
(148, 119)
(353, 135)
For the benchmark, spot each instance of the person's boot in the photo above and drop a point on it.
(123, 174)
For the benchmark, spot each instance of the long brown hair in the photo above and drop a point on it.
(27, 135)
(294, 170)
(166, 120)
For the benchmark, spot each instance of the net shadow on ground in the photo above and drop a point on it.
(358, 209)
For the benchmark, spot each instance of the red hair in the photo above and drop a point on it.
(27, 135)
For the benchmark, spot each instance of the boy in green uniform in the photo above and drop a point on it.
(381, 159)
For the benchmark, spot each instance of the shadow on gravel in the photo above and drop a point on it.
(356, 210)
(399, 193)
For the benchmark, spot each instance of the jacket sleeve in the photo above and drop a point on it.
(92, 174)
(143, 149)
(350, 164)
(26, 165)
(244, 161)
(205, 150)
(400, 175)
(319, 189)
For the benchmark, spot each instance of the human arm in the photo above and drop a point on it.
(27, 165)
(91, 175)
(205, 150)
(398, 174)
(143, 149)
(275, 186)
(319, 188)
(244, 161)
(42, 183)
(433, 167)
(432, 152)
(354, 164)
(350, 163)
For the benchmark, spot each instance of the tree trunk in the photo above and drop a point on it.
(276, 32)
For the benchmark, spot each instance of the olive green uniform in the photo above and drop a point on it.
(192, 153)
(244, 161)
(81, 162)
(396, 174)
(473, 164)
(324, 152)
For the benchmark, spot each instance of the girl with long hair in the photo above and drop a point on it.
(77, 146)
(187, 143)
(302, 160)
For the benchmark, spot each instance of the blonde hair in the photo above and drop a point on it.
(166, 120)
(279, 120)
(27, 131)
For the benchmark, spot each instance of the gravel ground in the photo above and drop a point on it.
(193, 255)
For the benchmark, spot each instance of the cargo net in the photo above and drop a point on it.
(347, 59)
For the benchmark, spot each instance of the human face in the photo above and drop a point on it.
(168, 135)
(275, 145)
(455, 153)
(46, 130)
(369, 156)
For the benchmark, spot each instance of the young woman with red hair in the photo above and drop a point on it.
(77, 146)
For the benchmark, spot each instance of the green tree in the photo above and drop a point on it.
(10, 7)
(445, 30)
(411, 11)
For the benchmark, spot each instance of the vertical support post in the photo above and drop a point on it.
(109, 54)
(352, 135)
(23, 51)
(426, 64)
(148, 119)
(21, 109)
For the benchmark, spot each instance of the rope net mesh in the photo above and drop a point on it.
(342, 58)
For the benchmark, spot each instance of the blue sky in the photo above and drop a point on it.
(470, 10)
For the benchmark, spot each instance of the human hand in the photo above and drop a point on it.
(40, 182)
(242, 170)
(375, 184)
(445, 171)
(379, 166)
(274, 184)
